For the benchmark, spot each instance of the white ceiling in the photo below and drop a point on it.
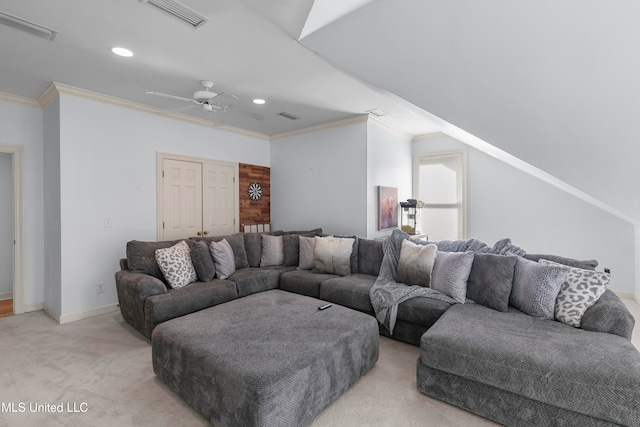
(248, 48)
(552, 83)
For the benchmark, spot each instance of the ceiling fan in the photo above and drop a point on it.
(207, 100)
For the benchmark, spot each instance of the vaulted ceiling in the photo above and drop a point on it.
(553, 83)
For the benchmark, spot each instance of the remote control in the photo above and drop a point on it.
(324, 307)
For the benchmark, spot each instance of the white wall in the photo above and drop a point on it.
(505, 202)
(108, 169)
(389, 163)
(6, 224)
(22, 125)
(319, 179)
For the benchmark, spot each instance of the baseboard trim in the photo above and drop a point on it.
(51, 312)
(33, 307)
(6, 295)
(628, 295)
(74, 317)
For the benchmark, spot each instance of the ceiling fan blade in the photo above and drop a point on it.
(164, 95)
(184, 108)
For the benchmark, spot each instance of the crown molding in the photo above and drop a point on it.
(18, 99)
(378, 121)
(331, 125)
(57, 89)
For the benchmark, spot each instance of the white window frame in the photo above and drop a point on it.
(461, 204)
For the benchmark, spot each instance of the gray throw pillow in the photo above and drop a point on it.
(223, 258)
(580, 290)
(491, 279)
(415, 263)
(370, 254)
(236, 241)
(536, 287)
(307, 252)
(291, 244)
(253, 248)
(332, 255)
(202, 260)
(272, 250)
(450, 274)
(176, 266)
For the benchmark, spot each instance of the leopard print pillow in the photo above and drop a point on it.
(580, 290)
(176, 266)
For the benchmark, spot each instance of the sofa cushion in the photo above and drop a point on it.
(252, 280)
(589, 264)
(307, 251)
(350, 291)
(547, 361)
(176, 266)
(535, 288)
(579, 291)
(332, 255)
(189, 299)
(304, 282)
(253, 248)
(370, 256)
(202, 260)
(415, 263)
(490, 280)
(451, 272)
(141, 257)
(272, 251)
(223, 258)
(422, 311)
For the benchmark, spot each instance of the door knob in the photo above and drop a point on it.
(199, 233)
(205, 232)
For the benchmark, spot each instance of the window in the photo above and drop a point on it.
(441, 186)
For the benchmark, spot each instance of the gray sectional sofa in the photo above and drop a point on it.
(506, 366)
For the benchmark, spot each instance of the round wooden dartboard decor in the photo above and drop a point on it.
(255, 191)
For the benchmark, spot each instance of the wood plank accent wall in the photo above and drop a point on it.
(254, 212)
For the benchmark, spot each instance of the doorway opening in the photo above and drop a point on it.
(11, 231)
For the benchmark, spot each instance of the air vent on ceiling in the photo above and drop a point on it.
(179, 11)
(289, 115)
(27, 26)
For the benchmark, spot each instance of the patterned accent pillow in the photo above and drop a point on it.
(307, 252)
(332, 255)
(272, 250)
(450, 274)
(536, 287)
(176, 266)
(415, 263)
(223, 258)
(580, 290)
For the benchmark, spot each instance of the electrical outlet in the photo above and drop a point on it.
(100, 288)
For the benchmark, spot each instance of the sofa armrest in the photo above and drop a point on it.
(133, 289)
(610, 315)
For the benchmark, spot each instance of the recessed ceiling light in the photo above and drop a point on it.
(259, 101)
(122, 51)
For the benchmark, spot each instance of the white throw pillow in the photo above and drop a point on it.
(332, 255)
(272, 250)
(416, 263)
(176, 266)
(223, 258)
(580, 290)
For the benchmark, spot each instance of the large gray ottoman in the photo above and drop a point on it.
(519, 370)
(268, 359)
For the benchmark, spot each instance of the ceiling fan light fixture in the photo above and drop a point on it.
(122, 51)
(259, 101)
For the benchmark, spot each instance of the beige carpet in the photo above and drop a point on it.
(98, 371)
